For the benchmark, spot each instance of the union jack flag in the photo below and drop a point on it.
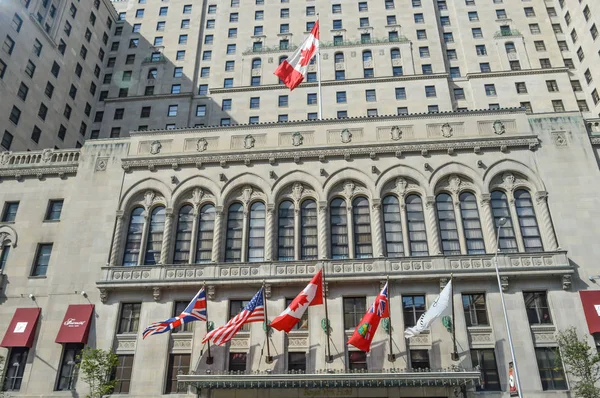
(380, 305)
(253, 312)
(195, 311)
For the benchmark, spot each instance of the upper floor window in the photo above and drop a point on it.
(155, 236)
(235, 221)
(475, 309)
(10, 211)
(507, 241)
(392, 225)
(447, 224)
(308, 230)
(256, 232)
(471, 224)
(415, 219)
(129, 319)
(413, 307)
(133, 241)
(536, 304)
(529, 227)
(286, 234)
(339, 229)
(362, 228)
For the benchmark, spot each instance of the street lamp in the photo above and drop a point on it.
(501, 223)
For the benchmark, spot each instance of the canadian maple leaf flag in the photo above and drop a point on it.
(293, 70)
(311, 295)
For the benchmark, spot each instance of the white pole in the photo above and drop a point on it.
(501, 222)
(320, 94)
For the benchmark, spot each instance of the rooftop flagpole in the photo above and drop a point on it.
(320, 93)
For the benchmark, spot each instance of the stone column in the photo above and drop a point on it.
(404, 220)
(245, 234)
(376, 227)
(165, 251)
(350, 227)
(217, 235)
(269, 232)
(547, 229)
(116, 246)
(297, 232)
(144, 241)
(432, 227)
(459, 225)
(194, 236)
(322, 226)
(515, 221)
(487, 223)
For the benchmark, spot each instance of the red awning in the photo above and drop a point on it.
(21, 330)
(76, 325)
(591, 307)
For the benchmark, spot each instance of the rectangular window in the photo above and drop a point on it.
(413, 308)
(297, 361)
(459, 94)
(15, 115)
(254, 102)
(14, 373)
(162, 12)
(485, 360)
(2, 69)
(419, 359)
(237, 361)
(183, 39)
(430, 91)
(185, 24)
(129, 318)
(4, 257)
(7, 140)
(402, 110)
(311, 99)
(35, 134)
(178, 364)
(354, 309)
(175, 88)
(180, 55)
(226, 104)
(187, 9)
(400, 93)
(30, 68)
(477, 33)
(231, 49)
(122, 374)
(419, 18)
(370, 95)
(357, 360)
(200, 110)
(551, 371)
(545, 63)
(42, 258)
(490, 90)
(558, 106)
(340, 97)
(10, 211)
(475, 309)
(68, 366)
(552, 85)
(536, 305)
(534, 29)
(521, 88)
(54, 210)
(23, 90)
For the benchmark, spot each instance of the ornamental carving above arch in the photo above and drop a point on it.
(8, 234)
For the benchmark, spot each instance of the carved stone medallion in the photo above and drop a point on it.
(447, 130)
(297, 139)
(499, 128)
(201, 145)
(155, 147)
(396, 133)
(346, 136)
(249, 141)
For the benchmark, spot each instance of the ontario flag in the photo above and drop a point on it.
(364, 332)
(293, 70)
(195, 311)
(311, 295)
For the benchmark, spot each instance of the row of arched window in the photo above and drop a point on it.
(349, 232)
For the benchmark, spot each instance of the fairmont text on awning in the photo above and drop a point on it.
(76, 324)
(21, 330)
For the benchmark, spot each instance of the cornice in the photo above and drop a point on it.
(268, 155)
(345, 82)
(485, 75)
(149, 97)
(316, 122)
(38, 172)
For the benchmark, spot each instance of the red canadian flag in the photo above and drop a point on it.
(293, 70)
(311, 295)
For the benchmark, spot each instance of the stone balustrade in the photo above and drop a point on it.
(44, 162)
(434, 267)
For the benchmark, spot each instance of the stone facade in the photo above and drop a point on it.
(551, 157)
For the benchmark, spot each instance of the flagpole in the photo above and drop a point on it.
(269, 358)
(391, 356)
(320, 93)
(454, 354)
(329, 357)
(209, 358)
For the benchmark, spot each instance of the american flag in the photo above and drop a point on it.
(195, 311)
(253, 312)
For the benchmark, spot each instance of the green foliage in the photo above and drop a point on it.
(95, 367)
(581, 361)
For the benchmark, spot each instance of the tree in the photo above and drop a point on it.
(580, 360)
(96, 366)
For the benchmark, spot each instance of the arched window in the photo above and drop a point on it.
(339, 229)
(447, 224)
(155, 236)
(206, 226)
(308, 230)
(471, 223)
(500, 209)
(527, 221)
(339, 57)
(183, 238)
(235, 222)
(285, 241)
(362, 228)
(256, 63)
(510, 47)
(152, 73)
(133, 243)
(256, 233)
(367, 55)
(417, 235)
(395, 53)
(392, 225)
